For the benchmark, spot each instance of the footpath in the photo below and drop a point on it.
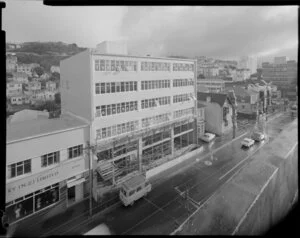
(79, 213)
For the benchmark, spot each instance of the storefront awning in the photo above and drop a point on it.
(75, 182)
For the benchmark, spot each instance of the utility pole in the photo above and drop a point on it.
(234, 114)
(89, 148)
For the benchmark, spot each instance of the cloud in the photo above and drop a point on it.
(212, 31)
(86, 26)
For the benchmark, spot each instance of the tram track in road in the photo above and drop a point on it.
(208, 177)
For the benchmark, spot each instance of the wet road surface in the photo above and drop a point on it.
(165, 207)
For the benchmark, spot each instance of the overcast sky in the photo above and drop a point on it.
(221, 32)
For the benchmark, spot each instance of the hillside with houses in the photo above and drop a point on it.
(33, 75)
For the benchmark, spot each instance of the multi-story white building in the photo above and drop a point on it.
(241, 74)
(141, 110)
(247, 62)
(208, 72)
(282, 73)
(280, 60)
(47, 169)
(213, 85)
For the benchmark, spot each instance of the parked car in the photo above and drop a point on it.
(247, 142)
(134, 189)
(207, 137)
(258, 136)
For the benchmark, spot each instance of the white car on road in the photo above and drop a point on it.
(207, 137)
(247, 142)
(258, 136)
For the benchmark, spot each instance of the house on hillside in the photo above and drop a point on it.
(19, 99)
(51, 86)
(20, 77)
(34, 86)
(13, 88)
(41, 96)
(45, 76)
(55, 69)
(218, 112)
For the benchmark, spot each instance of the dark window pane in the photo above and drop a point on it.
(19, 170)
(27, 167)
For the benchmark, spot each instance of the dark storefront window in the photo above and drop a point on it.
(46, 198)
(31, 203)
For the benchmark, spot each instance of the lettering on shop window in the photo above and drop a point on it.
(33, 181)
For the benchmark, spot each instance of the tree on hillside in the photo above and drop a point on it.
(39, 71)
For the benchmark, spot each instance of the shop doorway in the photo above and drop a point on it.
(71, 195)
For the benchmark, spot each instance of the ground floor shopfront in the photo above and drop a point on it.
(143, 153)
(44, 194)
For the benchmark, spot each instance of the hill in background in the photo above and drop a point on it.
(45, 53)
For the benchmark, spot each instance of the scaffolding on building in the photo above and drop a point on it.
(108, 168)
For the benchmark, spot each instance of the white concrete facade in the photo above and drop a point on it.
(122, 95)
(213, 85)
(32, 168)
(78, 74)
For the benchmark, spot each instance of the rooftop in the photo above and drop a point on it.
(238, 91)
(218, 98)
(30, 123)
(134, 182)
(94, 52)
(200, 105)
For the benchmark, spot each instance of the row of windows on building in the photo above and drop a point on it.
(155, 84)
(24, 167)
(183, 67)
(117, 151)
(127, 65)
(156, 152)
(115, 65)
(119, 129)
(154, 102)
(149, 121)
(149, 140)
(112, 109)
(155, 66)
(183, 128)
(183, 112)
(183, 82)
(115, 87)
(182, 97)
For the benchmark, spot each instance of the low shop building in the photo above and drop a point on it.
(47, 169)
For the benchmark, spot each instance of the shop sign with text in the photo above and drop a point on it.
(38, 181)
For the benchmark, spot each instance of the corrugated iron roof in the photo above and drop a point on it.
(218, 98)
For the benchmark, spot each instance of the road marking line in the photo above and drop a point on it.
(247, 157)
(140, 222)
(252, 204)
